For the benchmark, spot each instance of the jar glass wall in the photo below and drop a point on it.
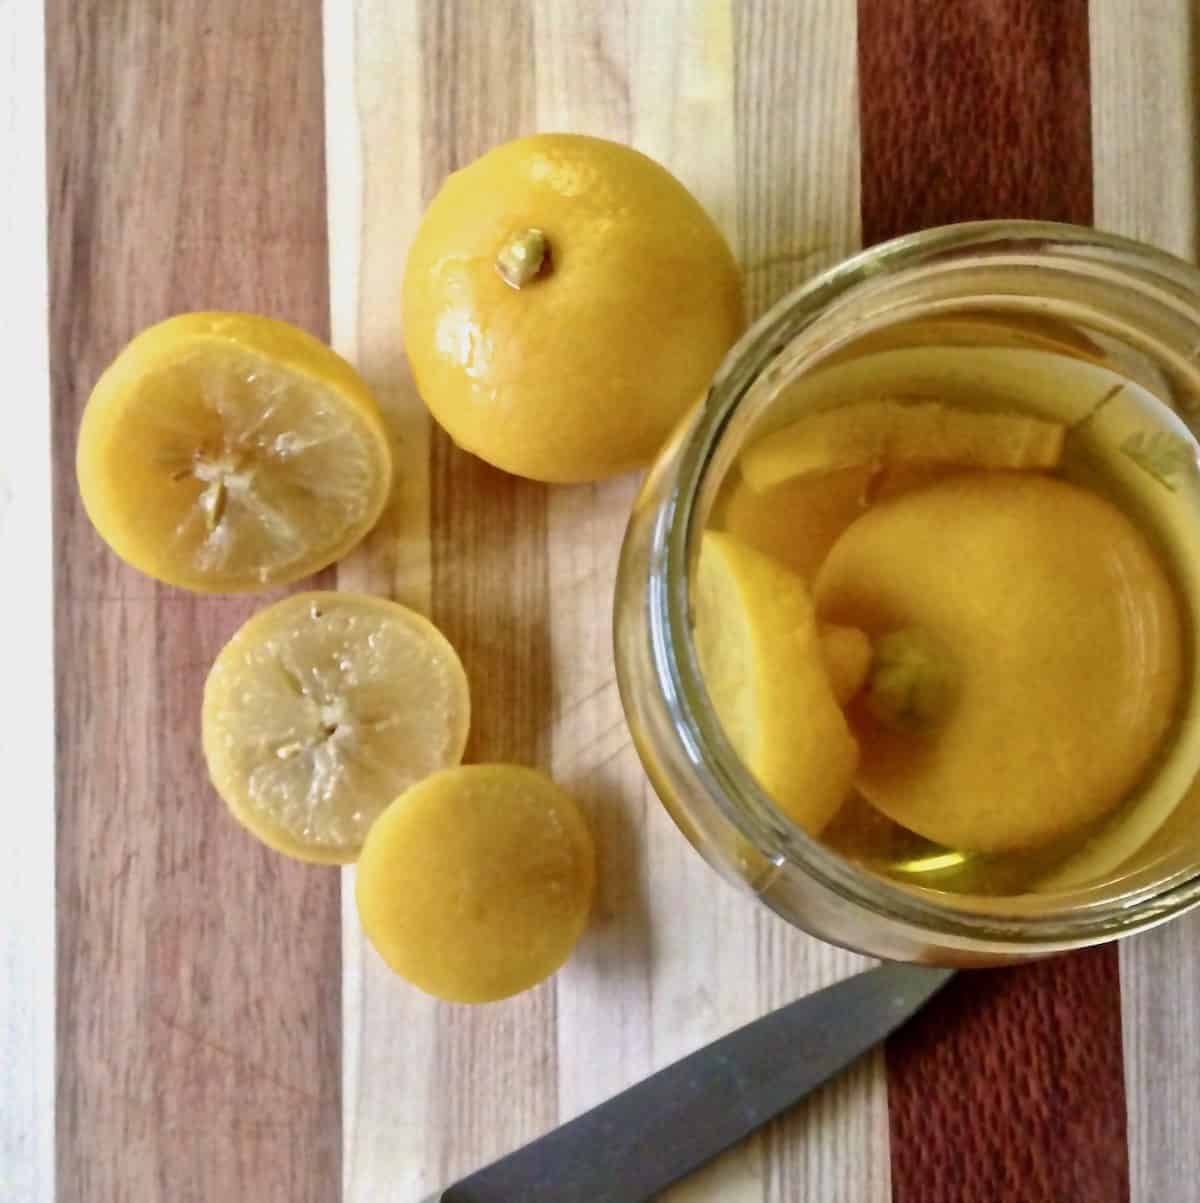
(1017, 313)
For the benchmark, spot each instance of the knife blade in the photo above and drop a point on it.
(636, 1144)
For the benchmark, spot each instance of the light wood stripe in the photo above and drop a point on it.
(673, 958)
(27, 711)
(798, 170)
(197, 972)
(373, 86)
(1144, 129)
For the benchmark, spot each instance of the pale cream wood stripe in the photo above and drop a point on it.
(797, 169)
(1144, 128)
(27, 949)
(373, 167)
(705, 978)
(675, 957)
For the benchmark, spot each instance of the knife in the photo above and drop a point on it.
(636, 1144)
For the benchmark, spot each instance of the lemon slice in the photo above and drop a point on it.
(763, 663)
(224, 452)
(887, 432)
(477, 882)
(324, 707)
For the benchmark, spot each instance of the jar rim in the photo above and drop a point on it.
(743, 802)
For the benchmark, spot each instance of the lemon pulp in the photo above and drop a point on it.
(228, 453)
(324, 707)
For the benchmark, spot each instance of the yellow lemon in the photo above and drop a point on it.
(1028, 656)
(225, 452)
(324, 707)
(476, 883)
(761, 655)
(565, 301)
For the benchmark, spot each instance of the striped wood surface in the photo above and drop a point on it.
(217, 1031)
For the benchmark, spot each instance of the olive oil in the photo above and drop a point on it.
(1123, 441)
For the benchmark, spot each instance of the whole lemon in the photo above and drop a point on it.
(566, 300)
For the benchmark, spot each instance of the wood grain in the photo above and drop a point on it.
(197, 973)
(973, 110)
(1010, 1084)
(521, 576)
(1146, 166)
(373, 83)
(797, 166)
(27, 637)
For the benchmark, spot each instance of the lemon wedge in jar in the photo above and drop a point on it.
(764, 665)
(323, 708)
(476, 883)
(225, 452)
(897, 432)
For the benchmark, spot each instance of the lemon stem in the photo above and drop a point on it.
(912, 682)
(522, 257)
(215, 497)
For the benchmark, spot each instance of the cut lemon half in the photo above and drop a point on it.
(761, 656)
(323, 708)
(477, 882)
(224, 452)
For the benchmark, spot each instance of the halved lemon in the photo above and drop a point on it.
(764, 666)
(225, 452)
(477, 882)
(323, 708)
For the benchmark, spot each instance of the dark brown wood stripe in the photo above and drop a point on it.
(973, 110)
(490, 587)
(198, 975)
(1010, 1085)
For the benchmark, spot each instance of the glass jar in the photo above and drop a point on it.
(1081, 297)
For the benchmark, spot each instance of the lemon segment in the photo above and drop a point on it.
(761, 656)
(888, 432)
(324, 707)
(477, 882)
(229, 453)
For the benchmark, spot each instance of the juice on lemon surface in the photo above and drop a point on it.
(1014, 525)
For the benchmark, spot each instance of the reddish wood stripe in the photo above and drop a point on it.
(1010, 1085)
(973, 110)
(198, 975)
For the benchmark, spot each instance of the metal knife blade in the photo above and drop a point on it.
(636, 1144)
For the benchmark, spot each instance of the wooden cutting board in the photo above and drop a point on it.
(217, 1029)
